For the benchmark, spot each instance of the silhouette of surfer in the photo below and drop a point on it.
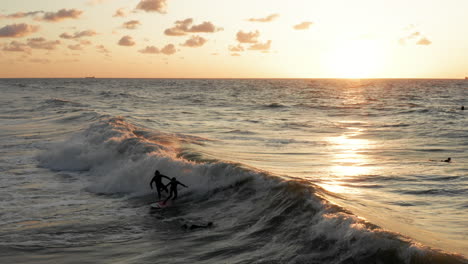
(447, 160)
(463, 107)
(173, 189)
(196, 226)
(157, 179)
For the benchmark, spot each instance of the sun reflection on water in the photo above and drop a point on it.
(348, 159)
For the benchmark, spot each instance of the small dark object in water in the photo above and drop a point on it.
(194, 226)
(447, 160)
(463, 107)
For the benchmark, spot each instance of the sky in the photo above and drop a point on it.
(234, 39)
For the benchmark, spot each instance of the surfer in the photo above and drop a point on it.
(173, 191)
(447, 160)
(196, 226)
(157, 179)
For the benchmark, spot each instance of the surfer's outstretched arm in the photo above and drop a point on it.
(182, 184)
(164, 176)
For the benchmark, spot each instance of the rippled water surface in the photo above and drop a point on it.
(262, 158)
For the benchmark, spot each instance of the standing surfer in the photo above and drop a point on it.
(173, 183)
(157, 179)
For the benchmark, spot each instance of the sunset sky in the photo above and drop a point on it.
(234, 39)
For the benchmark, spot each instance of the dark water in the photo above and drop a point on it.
(288, 171)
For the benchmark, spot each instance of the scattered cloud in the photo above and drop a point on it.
(237, 48)
(414, 36)
(85, 42)
(264, 19)
(75, 47)
(149, 50)
(61, 15)
(183, 27)
(42, 61)
(424, 41)
(42, 43)
(17, 30)
(303, 26)
(152, 6)
(168, 49)
(97, 2)
(195, 41)
(47, 16)
(120, 13)
(102, 49)
(261, 46)
(249, 37)
(235, 54)
(126, 41)
(76, 35)
(21, 15)
(16, 46)
(132, 24)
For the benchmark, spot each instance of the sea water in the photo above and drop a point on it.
(288, 171)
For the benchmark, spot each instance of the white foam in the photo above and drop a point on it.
(121, 158)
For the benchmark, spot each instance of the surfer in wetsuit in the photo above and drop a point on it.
(173, 183)
(157, 179)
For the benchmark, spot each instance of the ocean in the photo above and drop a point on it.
(278, 171)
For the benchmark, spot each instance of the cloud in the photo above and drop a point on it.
(85, 42)
(102, 49)
(303, 26)
(42, 61)
(17, 30)
(183, 27)
(96, 2)
(75, 47)
(76, 35)
(237, 48)
(168, 49)
(235, 54)
(152, 6)
(261, 46)
(249, 37)
(424, 41)
(47, 16)
(150, 50)
(195, 41)
(42, 43)
(132, 24)
(61, 15)
(126, 41)
(21, 15)
(264, 19)
(414, 36)
(120, 13)
(16, 46)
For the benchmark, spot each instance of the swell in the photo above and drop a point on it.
(255, 213)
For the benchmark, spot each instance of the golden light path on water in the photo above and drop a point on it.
(348, 160)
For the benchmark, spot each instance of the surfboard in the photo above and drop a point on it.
(158, 205)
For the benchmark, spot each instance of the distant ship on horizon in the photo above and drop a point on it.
(90, 77)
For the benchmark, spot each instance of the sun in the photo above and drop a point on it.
(361, 58)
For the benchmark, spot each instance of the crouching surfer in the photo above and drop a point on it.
(157, 179)
(173, 188)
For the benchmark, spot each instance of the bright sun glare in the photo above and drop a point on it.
(360, 58)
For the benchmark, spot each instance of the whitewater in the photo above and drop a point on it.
(287, 171)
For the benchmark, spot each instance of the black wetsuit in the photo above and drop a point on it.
(173, 189)
(157, 179)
